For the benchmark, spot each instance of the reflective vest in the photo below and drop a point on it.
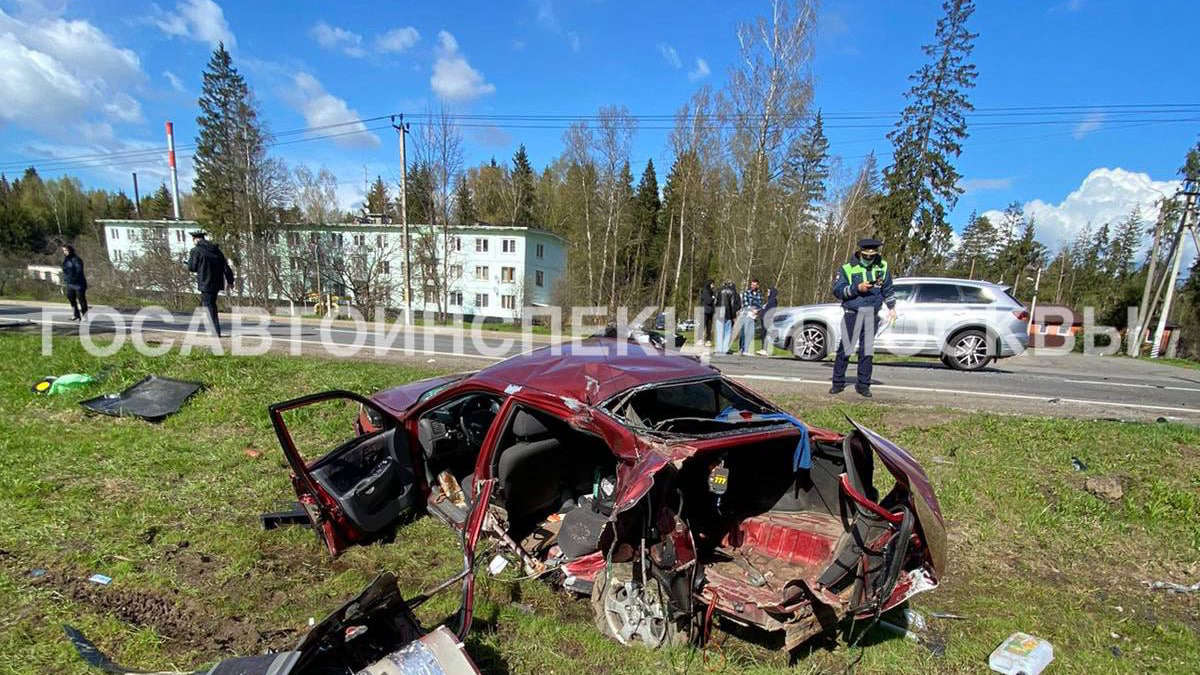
(877, 272)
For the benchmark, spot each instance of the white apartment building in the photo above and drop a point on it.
(493, 270)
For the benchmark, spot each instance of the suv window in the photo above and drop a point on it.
(940, 293)
(903, 291)
(975, 295)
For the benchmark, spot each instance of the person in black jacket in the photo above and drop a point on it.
(212, 273)
(74, 282)
(708, 301)
(728, 305)
(767, 313)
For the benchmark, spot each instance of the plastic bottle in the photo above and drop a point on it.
(1021, 653)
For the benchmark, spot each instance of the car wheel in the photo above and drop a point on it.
(968, 350)
(810, 343)
(632, 613)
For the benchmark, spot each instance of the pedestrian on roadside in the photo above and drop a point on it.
(74, 282)
(863, 285)
(767, 313)
(728, 305)
(212, 272)
(708, 302)
(752, 302)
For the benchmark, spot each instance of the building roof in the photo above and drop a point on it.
(595, 368)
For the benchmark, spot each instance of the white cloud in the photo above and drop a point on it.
(670, 55)
(700, 72)
(321, 109)
(199, 20)
(573, 41)
(1088, 124)
(970, 185)
(176, 83)
(64, 72)
(334, 38)
(397, 39)
(546, 15)
(518, 45)
(1104, 196)
(453, 78)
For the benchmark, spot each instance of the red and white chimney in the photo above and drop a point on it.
(171, 162)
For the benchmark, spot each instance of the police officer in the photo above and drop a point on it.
(863, 285)
(212, 272)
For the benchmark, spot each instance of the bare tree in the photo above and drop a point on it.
(158, 269)
(439, 147)
(316, 195)
(363, 269)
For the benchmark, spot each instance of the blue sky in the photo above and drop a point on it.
(100, 77)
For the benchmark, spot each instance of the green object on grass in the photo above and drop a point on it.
(70, 381)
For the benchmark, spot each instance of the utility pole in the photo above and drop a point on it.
(137, 206)
(402, 131)
(1135, 337)
(1190, 190)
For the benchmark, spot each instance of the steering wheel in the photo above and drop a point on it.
(475, 419)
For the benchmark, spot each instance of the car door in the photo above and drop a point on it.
(938, 306)
(353, 483)
(898, 337)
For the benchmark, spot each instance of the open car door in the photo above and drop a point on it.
(353, 485)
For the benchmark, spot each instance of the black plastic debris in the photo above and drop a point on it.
(152, 399)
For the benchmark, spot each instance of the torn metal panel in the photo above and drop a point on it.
(151, 399)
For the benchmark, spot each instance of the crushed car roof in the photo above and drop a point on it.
(591, 370)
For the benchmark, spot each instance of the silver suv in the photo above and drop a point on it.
(966, 323)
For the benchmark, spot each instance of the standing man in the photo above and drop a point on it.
(728, 305)
(708, 302)
(752, 302)
(863, 285)
(74, 282)
(212, 273)
(763, 316)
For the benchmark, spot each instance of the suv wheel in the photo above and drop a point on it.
(968, 350)
(810, 343)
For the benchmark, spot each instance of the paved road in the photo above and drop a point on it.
(1067, 385)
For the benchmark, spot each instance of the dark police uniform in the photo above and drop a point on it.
(859, 311)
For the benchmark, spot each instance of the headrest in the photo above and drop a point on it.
(527, 426)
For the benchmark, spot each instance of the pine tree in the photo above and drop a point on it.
(1125, 244)
(464, 209)
(807, 169)
(157, 205)
(230, 149)
(646, 227)
(378, 200)
(522, 179)
(977, 247)
(922, 183)
(420, 194)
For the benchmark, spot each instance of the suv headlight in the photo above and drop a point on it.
(781, 319)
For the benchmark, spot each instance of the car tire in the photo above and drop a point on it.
(810, 342)
(968, 350)
(634, 616)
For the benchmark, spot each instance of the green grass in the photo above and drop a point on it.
(170, 512)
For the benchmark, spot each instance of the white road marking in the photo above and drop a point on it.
(1129, 384)
(962, 392)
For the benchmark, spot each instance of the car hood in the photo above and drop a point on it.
(398, 399)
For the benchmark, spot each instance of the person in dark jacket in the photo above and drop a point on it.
(708, 302)
(752, 302)
(863, 285)
(764, 316)
(74, 282)
(212, 272)
(728, 305)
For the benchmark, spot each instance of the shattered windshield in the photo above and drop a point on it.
(695, 407)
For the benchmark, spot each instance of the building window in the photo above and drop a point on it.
(379, 241)
(508, 301)
(481, 245)
(456, 243)
(509, 245)
(541, 250)
(178, 235)
(456, 271)
(508, 274)
(129, 234)
(456, 298)
(430, 296)
(481, 272)
(360, 239)
(312, 237)
(539, 278)
(385, 267)
(481, 299)
(116, 234)
(117, 255)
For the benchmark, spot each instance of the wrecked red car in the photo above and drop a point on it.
(643, 479)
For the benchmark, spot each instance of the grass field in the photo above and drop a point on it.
(169, 511)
